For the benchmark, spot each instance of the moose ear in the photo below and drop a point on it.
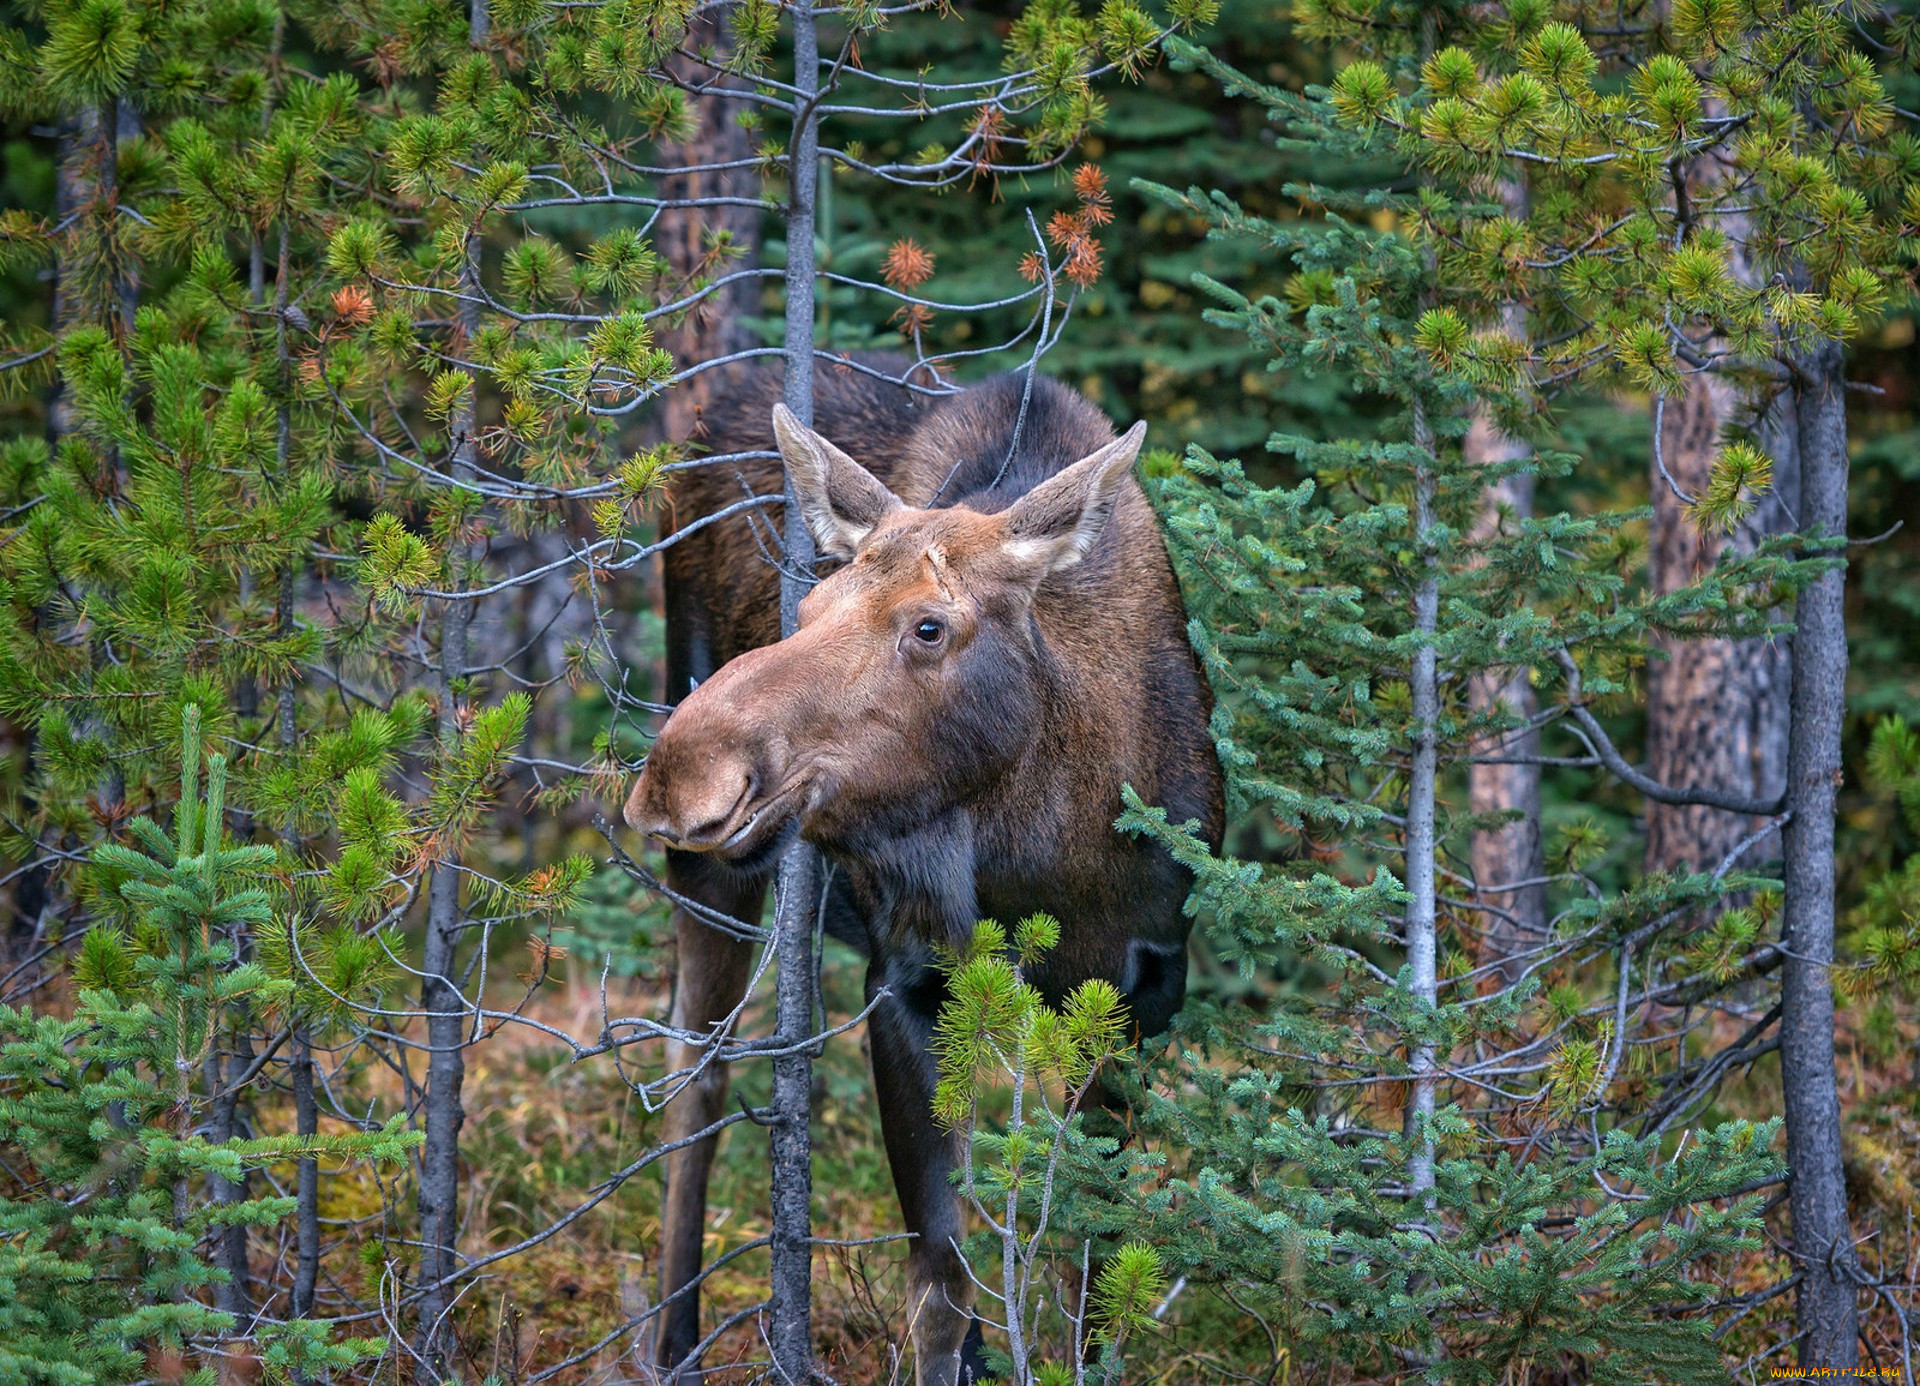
(1055, 523)
(841, 500)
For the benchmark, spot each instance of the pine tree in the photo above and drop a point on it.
(1631, 273)
(348, 367)
(112, 1187)
(1463, 1174)
(997, 1039)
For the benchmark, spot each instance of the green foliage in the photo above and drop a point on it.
(1128, 1289)
(1884, 928)
(1645, 182)
(105, 1209)
(1292, 1152)
(230, 483)
(997, 1041)
(994, 1023)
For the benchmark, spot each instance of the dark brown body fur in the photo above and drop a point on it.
(1109, 692)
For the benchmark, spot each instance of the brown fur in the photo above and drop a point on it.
(972, 776)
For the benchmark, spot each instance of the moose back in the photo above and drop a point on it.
(999, 649)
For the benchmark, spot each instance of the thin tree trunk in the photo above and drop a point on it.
(126, 288)
(73, 188)
(790, 1331)
(235, 1296)
(440, 997)
(115, 120)
(306, 1110)
(439, 1194)
(1422, 782)
(1822, 1232)
(306, 1211)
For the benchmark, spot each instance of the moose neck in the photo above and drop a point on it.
(918, 886)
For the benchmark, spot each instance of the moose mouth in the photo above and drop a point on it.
(755, 835)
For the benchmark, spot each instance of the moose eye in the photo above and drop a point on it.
(929, 632)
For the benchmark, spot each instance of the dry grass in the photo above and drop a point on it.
(542, 1132)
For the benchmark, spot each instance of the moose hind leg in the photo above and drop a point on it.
(1156, 988)
(712, 977)
(940, 1289)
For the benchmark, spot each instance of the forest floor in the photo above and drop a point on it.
(542, 1132)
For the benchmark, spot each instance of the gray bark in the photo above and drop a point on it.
(1422, 780)
(306, 1212)
(306, 1110)
(73, 187)
(439, 1193)
(790, 1331)
(442, 1112)
(235, 1296)
(1823, 1249)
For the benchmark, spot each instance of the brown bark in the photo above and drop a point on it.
(1716, 709)
(1508, 869)
(1507, 865)
(688, 238)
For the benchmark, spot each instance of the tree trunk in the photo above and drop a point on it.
(306, 1115)
(74, 186)
(439, 1194)
(1422, 784)
(688, 238)
(790, 1330)
(1822, 1233)
(1716, 709)
(1507, 866)
(235, 1296)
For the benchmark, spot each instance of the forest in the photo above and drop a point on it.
(1455, 918)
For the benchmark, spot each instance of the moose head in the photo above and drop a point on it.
(916, 679)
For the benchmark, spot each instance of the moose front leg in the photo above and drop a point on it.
(940, 1291)
(712, 974)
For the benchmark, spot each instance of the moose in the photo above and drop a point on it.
(999, 648)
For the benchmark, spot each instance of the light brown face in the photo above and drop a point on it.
(910, 685)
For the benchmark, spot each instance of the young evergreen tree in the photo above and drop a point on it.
(113, 1184)
(1635, 272)
(346, 364)
(1467, 1169)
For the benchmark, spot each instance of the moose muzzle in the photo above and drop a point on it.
(717, 779)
